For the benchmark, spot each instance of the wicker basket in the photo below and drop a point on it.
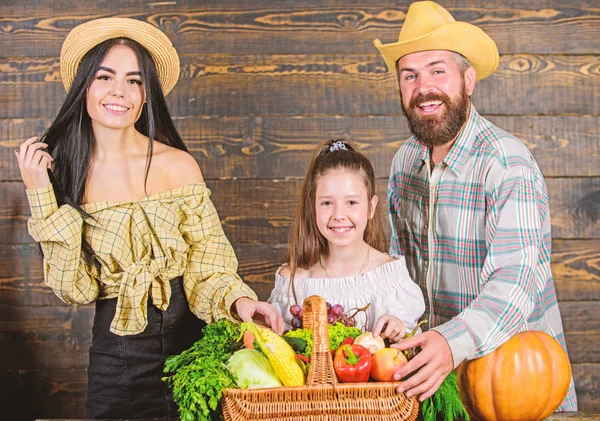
(322, 398)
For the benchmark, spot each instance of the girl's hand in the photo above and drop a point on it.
(34, 163)
(247, 308)
(389, 327)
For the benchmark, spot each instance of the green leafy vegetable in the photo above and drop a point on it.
(198, 375)
(337, 334)
(252, 369)
(445, 404)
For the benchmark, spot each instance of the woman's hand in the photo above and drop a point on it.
(34, 163)
(246, 309)
(390, 327)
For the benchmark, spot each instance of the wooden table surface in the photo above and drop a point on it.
(557, 416)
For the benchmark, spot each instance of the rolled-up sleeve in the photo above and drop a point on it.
(211, 281)
(59, 232)
(513, 236)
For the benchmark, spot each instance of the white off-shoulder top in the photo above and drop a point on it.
(388, 288)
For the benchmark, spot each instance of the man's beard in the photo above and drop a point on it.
(432, 130)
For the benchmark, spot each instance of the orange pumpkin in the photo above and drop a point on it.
(525, 379)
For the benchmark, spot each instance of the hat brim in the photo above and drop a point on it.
(461, 37)
(87, 35)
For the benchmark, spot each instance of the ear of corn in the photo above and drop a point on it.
(280, 354)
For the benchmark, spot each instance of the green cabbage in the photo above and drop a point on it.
(252, 370)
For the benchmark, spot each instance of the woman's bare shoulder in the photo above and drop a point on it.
(178, 166)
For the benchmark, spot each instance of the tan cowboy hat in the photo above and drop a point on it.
(428, 26)
(86, 36)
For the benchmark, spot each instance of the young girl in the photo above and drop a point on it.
(124, 218)
(335, 248)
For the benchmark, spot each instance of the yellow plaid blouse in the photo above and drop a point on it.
(141, 246)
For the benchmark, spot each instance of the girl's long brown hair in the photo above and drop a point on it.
(307, 244)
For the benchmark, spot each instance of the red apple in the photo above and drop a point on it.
(386, 362)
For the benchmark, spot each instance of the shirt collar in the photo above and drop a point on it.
(422, 157)
(461, 150)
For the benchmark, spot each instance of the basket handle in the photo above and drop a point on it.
(314, 316)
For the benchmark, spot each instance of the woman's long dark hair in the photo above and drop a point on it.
(71, 140)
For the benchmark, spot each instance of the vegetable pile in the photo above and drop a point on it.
(199, 375)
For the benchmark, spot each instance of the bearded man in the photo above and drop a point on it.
(468, 205)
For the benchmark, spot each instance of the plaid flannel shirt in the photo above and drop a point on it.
(141, 246)
(475, 232)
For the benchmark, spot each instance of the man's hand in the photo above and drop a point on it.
(246, 309)
(434, 362)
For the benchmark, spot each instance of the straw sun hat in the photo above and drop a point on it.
(86, 36)
(428, 26)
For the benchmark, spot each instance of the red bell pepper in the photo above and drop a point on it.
(352, 364)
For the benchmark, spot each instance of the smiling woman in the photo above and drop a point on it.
(116, 96)
(124, 218)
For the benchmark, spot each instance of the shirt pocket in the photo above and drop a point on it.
(406, 228)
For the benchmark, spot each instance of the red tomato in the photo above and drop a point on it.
(386, 362)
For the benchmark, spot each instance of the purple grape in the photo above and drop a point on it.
(337, 310)
(295, 309)
(328, 307)
(296, 322)
(350, 322)
(300, 313)
(331, 319)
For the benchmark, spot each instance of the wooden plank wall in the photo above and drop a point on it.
(262, 82)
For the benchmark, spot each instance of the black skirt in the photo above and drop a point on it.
(124, 373)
